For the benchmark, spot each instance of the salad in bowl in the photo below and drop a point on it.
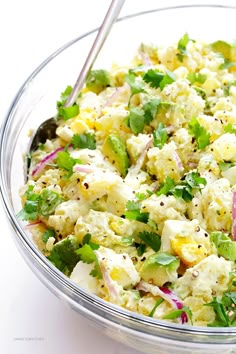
(135, 198)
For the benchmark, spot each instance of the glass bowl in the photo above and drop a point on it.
(35, 102)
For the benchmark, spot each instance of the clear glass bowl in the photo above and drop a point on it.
(35, 102)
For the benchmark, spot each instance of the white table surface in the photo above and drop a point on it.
(32, 319)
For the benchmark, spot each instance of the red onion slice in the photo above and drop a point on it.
(137, 167)
(109, 282)
(47, 159)
(167, 295)
(84, 168)
(114, 96)
(178, 161)
(28, 226)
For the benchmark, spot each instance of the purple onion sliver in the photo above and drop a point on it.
(40, 166)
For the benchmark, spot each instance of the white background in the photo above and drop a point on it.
(32, 320)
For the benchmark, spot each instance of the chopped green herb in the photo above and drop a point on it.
(133, 212)
(67, 112)
(141, 196)
(141, 248)
(157, 79)
(186, 189)
(47, 234)
(84, 141)
(224, 309)
(167, 186)
(87, 255)
(182, 46)
(43, 204)
(30, 211)
(152, 224)
(136, 85)
(87, 241)
(152, 239)
(135, 120)
(194, 180)
(160, 136)
(177, 313)
(159, 301)
(63, 254)
(97, 80)
(200, 133)
(230, 128)
(151, 109)
(66, 162)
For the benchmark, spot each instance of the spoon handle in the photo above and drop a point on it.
(110, 18)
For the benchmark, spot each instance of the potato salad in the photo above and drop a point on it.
(135, 198)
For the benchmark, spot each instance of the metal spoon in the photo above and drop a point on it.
(47, 130)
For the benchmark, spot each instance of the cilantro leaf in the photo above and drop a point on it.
(135, 120)
(29, 212)
(67, 112)
(141, 196)
(196, 77)
(159, 301)
(224, 166)
(151, 239)
(66, 162)
(43, 204)
(87, 241)
(160, 136)
(141, 248)
(222, 319)
(167, 186)
(47, 234)
(87, 255)
(97, 80)
(182, 45)
(157, 79)
(200, 133)
(133, 212)
(153, 77)
(177, 313)
(168, 79)
(230, 128)
(194, 180)
(151, 109)
(186, 189)
(63, 254)
(64, 96)
(136, 85)
(84, 141)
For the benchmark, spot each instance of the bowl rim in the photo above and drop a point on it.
(61, 279)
